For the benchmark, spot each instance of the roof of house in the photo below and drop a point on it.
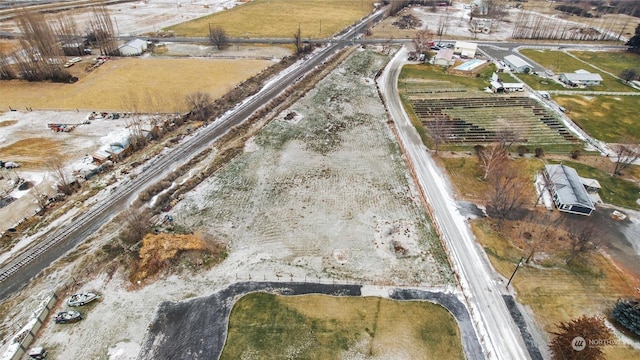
(582, 76)
(568, 186)
(445, 54)
(516, 61)
(135, 43)
(466, 45)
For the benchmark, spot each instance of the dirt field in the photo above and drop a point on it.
(125, 84)
(321, 193)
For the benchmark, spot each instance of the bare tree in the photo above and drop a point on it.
(507, 193)
(626, 154)
(200, 104)
(490, 158)
(137, 225)
(583, 239)
(538, 229)
(218, 37)
(6, 70)
(439, 129)
(56, 166)
(422, 40)
(41, 198)
(101, 31)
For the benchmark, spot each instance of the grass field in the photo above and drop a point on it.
(132, 84)
(265, 326)
(607, 118)
(561, 62)
(280, 19)
(613, 62)
(556, 292)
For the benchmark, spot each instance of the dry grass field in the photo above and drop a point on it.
(281, 18)
(132, 84)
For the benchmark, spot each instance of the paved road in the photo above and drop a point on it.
(477, 278)
(197, 328)
(18, 272)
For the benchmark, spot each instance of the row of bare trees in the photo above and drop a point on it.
(39, 55)
(529, 25)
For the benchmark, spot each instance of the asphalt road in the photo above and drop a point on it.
(479, 282)
(20, 270)
(197, 328)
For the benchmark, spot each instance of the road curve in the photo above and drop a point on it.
(19, 271)
(197, 328)
(493, 321)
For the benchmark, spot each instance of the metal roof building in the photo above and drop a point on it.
(517, 64)
(568, 190)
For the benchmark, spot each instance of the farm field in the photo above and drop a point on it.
(467, 116)
(606, 118)
(323, 327)
(133, 84)
(613, 62)
(560, 62)
(280, 19)
(322, 194)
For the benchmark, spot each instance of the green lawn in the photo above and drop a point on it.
(614, 190)
(266, 326)
(280, 19)
(607, 118)
(613, 62)
(540, 83)
(561, 62)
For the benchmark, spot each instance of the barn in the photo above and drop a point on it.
(133, 48)
(567, 190)
(517, 64)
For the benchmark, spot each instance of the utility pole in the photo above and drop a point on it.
(514, 272)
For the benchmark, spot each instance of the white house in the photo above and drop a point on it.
(568, 191)
(444, 57)
(133, 48)
(465, 49)
(517, 64)
(498, 86)
(581, 78)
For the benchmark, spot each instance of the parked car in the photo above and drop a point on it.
(38, 353)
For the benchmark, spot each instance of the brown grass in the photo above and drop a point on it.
(133, 84)
(31, 153)
(556, 292)
(7, 123)
(281, 19)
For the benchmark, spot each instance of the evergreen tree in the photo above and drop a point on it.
(634, 42)
(627, 313)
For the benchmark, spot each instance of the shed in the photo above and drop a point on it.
(444, 57)
(581, 78)
(517, 64)
(567, 190)
(133, 47)
(465, 49)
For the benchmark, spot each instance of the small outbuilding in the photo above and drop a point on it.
(517, 64)
(567, 189)
(465, 49)
(133, 48)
